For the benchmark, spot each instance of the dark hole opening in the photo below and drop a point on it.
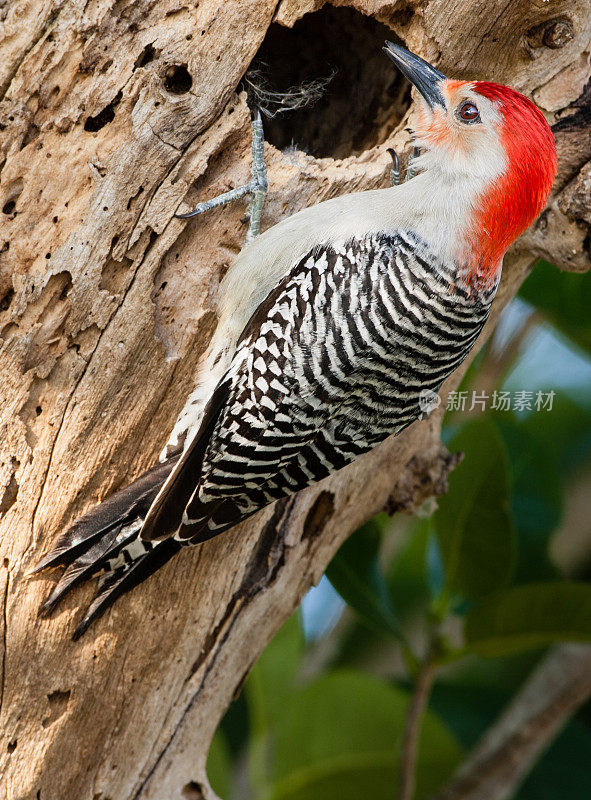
(6, 300)
(94, 124)
(192, 791)
(8, 208)
(363, 101)
(148, 54)
(177, 79)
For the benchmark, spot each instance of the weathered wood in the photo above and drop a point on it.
(106, 305)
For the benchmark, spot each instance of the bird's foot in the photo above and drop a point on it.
(410, 172)
(395, 171)
(256, 187)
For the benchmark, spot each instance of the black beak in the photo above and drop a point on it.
(421, 74)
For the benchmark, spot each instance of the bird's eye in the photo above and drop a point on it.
(468, 112)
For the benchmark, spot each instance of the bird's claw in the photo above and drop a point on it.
(256, 187)
(409, 173)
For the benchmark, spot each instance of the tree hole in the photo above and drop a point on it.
(132, 200)
(12, 194)
(94, 124)
(148, 54)
(365, 98)
(6, 300)
(58, 704)
(192, 791)
(11, 491)
(115, 276)
(177, 79)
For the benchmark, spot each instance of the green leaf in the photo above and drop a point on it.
(564, 298)
(536, 498)
(565, 431)
(339, 740)
(473, 521)
(356, 575)
(270, 682)
(267, 689)
(529, 616)
(407, 575)
(219, 765)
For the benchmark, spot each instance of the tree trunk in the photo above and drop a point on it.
(115, 114)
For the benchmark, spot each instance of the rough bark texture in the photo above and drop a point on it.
(116, 113)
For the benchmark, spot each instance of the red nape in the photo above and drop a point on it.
(520, 194)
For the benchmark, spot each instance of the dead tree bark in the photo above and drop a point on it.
(114, 113)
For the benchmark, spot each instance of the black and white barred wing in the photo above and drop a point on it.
(332, 363)
(268, 412)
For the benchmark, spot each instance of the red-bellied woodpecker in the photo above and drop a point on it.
(331, 325)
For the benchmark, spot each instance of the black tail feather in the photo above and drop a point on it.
(90, 562)
(104, 539)
(120, 581)
(121, 508)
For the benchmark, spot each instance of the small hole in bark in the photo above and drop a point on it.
(148, 54)
(30, 135)
(362, 103)
(8, 208)
(38, 410)
(12, 746)
(94, 124)
(47, 255)
(192, 791)
(132, 199)
(318, 515)
(6, 300)
(177, 79)
(11, 491)
(66, 290)
(58, 703)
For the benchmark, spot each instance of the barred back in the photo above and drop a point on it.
(331, 364)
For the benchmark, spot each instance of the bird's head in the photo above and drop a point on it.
(488, 138)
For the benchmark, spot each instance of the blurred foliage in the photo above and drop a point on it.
(477, 502)
(565, 300)
(475, 586)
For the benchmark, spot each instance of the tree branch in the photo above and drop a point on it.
(495, 769)
(412, 728)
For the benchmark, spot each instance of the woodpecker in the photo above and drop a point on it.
(331, 325)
